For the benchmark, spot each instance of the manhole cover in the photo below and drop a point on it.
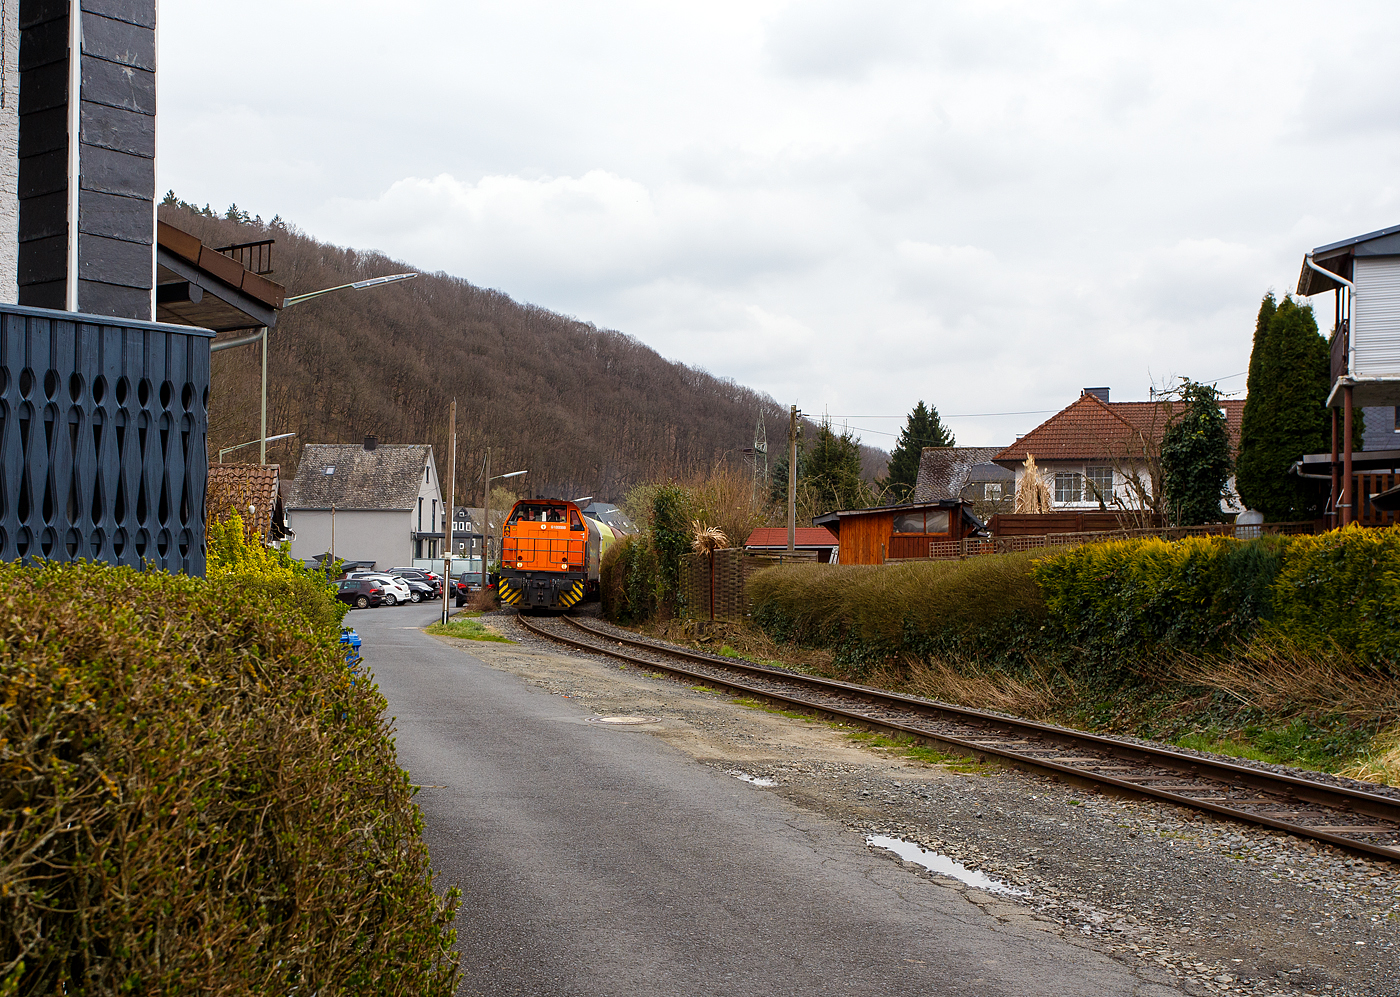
(623, 721)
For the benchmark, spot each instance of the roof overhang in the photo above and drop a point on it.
(1365, 392)
(1361, 460)
(1338, 257)
(196, 285)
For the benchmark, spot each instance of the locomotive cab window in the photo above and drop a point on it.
(575, 523)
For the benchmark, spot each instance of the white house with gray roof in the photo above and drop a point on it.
(386, 498)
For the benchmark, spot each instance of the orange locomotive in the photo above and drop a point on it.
(549, 557)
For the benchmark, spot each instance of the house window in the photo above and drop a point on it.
(991, 491)
(434, 530)
(1100, 483)
(1069, 486)
(1397, 418)
(427, 474)
(420, 513)
(909, 522)
(932, 521)
(417, 550)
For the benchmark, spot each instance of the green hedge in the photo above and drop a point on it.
(197, 799)
(1118, 601)
(1100, 609)
(1342, 589)
(627, 579)
(985, 609)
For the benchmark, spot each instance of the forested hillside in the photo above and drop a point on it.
(587, 411)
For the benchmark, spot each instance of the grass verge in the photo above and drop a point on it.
(465, 626)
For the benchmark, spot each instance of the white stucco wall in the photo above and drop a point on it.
(430, 489)
(1128, 496)
(385, 538)
(9, 153)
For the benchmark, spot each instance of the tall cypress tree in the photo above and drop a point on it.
(922, 429)
(1285, 414)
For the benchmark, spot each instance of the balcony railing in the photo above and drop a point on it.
(255, 256)
(102, 428)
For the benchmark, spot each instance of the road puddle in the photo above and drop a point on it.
(756, 780)
(943, 865)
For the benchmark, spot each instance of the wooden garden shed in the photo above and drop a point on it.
(898, 532)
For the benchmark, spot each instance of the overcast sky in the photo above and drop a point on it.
(848, 205)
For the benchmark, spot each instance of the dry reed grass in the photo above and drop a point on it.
(1278, 677)
(1037, 693)
(1380, 762)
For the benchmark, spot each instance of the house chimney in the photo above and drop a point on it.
(371, 441)
(1100, 393)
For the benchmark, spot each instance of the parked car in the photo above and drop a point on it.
(418, 588)
(360, 593)
(468, 582)
(396, 590)
(431, 577)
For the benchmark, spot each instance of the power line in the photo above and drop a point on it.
(960, 415)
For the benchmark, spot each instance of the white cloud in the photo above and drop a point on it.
(848, 204)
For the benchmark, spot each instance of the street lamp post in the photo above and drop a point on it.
(240, 446)
(486, 513)
(261, 336)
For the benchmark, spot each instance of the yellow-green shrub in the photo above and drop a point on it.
(194, 798)
(233, 554)
(1122, 599)
(1342, 588)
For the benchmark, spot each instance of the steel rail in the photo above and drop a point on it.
(1189, 766)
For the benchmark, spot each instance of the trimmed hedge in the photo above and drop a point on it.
(1342, 589)
(1100, 609)
(986, 609)
(1120, 600)
(196, 798)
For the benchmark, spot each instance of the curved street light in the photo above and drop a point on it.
(265, 440)
(261, 337)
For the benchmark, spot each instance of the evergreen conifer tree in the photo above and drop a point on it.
(1196, 458)
(832, 468)
(1285, 414)
(922, 429)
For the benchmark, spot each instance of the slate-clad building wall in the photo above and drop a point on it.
(102, 431)
(110, 269)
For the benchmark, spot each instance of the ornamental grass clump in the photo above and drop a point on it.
(197, 799)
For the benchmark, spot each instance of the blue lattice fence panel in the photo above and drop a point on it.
(103, 428)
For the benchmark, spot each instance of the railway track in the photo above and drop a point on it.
(1353, 819)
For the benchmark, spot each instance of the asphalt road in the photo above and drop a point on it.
(598, 860)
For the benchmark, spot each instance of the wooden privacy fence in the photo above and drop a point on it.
(733, 568)
(940, 550)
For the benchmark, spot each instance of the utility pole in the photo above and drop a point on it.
(451, 499)
(792, 481)
(486, 520)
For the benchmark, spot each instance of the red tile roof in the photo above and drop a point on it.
(234, 487)
(807, 536)
(1092, 429)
